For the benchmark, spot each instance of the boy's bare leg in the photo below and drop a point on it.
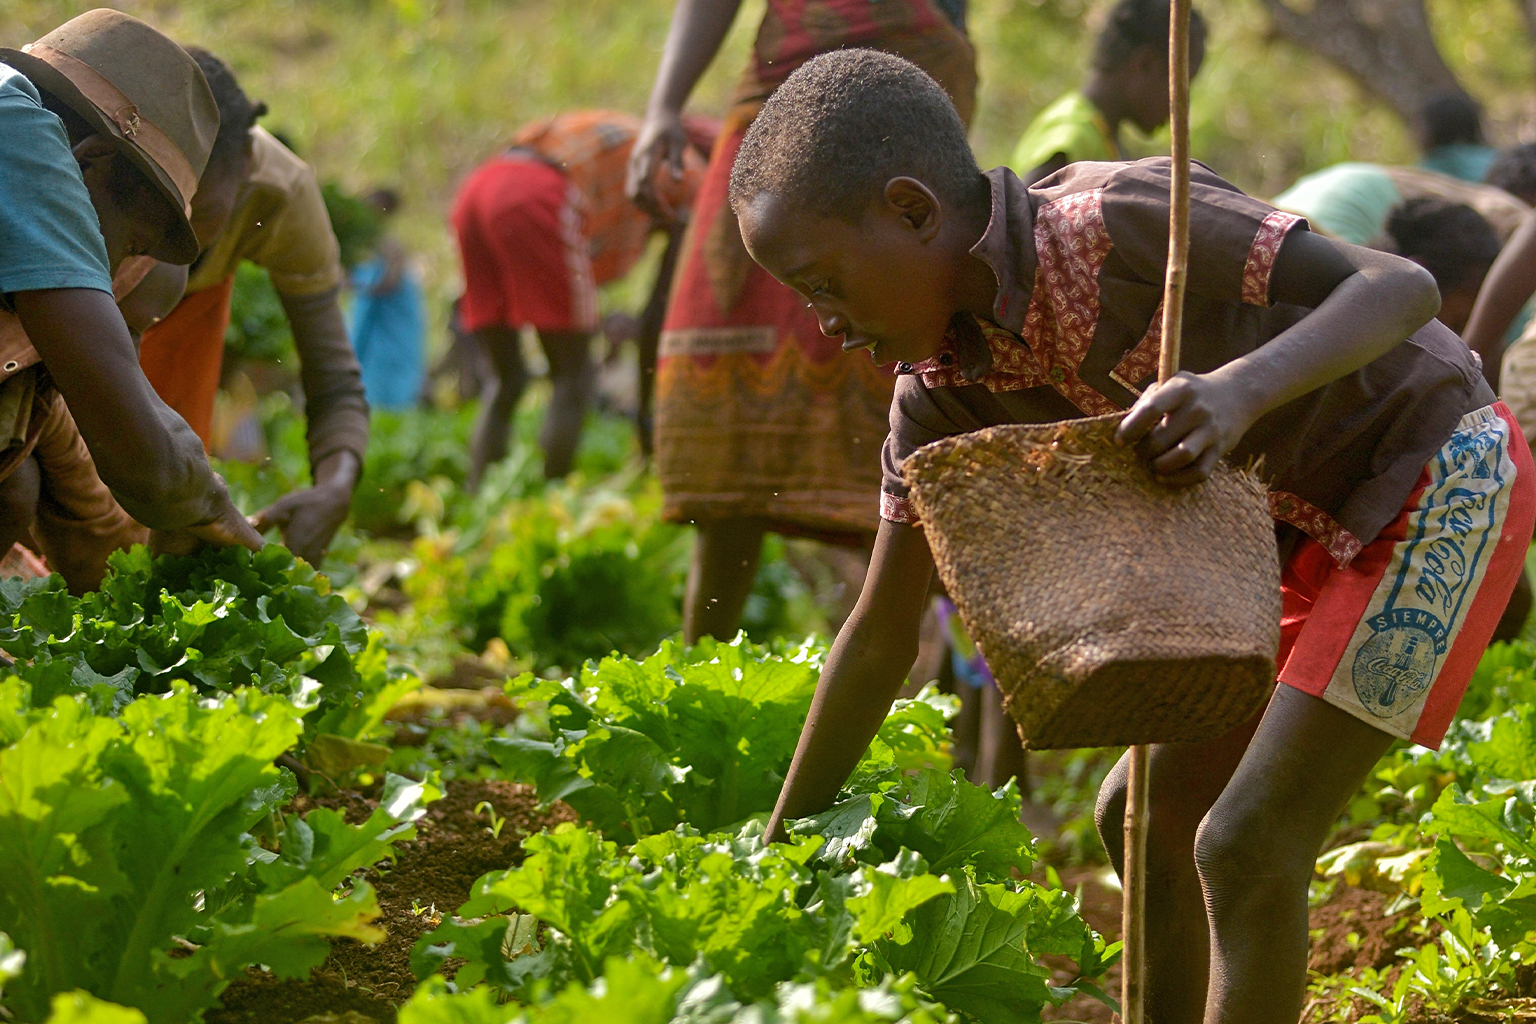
(720, 577)
(1187, 778)
(1258, 845)
(573, 373)
(499, 398)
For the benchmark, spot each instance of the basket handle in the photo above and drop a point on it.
(1178, 205)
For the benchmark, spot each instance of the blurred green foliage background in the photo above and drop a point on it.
(413, 93)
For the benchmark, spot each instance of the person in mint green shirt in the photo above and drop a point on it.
(1128, 82)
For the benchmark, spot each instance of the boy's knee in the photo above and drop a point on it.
(1239, 851)
(1109, 814)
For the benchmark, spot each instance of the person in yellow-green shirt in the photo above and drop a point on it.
(1128, 82)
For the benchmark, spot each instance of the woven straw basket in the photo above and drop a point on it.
(1111, 608)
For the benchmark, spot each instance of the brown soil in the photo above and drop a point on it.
(1353, 930)
(431, 876)
(438, 708)
(1350, 930)
(471, 673)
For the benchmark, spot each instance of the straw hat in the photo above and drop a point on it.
(135, 86)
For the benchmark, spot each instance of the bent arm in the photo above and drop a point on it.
(145, 453)
(1509, 284)
(1364, 304)
(334, 402)
(869, 661)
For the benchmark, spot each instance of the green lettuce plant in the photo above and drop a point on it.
(141, 826)
(218, 621)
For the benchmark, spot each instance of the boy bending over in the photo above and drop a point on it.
(1402, 490)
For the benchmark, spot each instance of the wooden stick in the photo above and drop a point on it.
(1133, 990)
(1133, 958)
(1178, 205)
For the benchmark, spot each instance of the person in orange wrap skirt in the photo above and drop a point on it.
(762, 423)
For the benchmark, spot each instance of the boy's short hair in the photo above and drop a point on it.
(844, 124)
(1133, 24)
(1450, 117)
(237, 112)
(1514, 171)
(1450, 240)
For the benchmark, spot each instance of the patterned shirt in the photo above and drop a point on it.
(1077, 330)
(592, 147)
(929, 33)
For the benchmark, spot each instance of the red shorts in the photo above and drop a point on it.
(525, 253)
(1394, 637)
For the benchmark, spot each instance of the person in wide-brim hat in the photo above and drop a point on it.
(136, 87)
(107, 125)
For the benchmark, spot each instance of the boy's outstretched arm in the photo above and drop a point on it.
(1363, 304)
(869, 661)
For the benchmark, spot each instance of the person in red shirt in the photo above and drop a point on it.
(1402, 490)
(541, 226)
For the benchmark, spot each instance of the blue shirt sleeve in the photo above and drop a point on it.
(49, 234)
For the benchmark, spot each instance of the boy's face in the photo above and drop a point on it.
(883, 283)
(134, 217)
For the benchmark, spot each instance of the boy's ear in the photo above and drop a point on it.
(915, 204)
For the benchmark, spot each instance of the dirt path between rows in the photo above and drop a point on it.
(431, 876)
(1350, 930)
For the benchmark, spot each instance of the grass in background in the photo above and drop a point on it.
(414, 93)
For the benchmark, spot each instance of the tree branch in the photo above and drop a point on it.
(1384, 45)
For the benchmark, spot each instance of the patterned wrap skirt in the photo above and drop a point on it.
(758, 414)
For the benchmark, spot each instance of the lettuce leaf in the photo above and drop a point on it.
(218, 620)
(140, 826)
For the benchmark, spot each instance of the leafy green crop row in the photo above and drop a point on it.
(903, 901)
(219, 621)
(1455, 838)
(122, 837)
(146, 856)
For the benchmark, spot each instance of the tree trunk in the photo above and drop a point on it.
(1385, 45)
(1528, 11)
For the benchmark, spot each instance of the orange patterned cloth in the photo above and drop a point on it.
(19, 561)
(592, 147)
